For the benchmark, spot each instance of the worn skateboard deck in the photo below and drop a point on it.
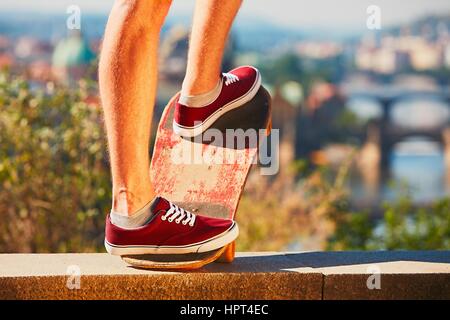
(206, 174)
(187, 261)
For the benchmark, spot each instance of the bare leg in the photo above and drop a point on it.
(128, 77)
(211, 25)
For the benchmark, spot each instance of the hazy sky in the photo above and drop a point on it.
(294, 13)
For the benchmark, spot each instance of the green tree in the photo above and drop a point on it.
(54, 176)
(402, 227)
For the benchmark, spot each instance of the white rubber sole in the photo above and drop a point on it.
(190, 132)
(212, 244)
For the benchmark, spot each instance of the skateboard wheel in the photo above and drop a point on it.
(228, 255)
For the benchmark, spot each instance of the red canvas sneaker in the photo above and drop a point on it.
(172, 230)
(239, 86)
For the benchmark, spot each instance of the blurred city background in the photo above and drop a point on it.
(364, 119)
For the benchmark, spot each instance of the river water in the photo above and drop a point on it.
(416, 162)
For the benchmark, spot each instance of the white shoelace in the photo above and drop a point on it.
(230, 78)
(179, 213)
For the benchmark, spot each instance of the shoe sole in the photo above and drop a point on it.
(212, 244)
(190, 132)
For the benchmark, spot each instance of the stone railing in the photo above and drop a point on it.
(265, 275)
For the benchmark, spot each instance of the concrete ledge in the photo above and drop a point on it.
(308, 275)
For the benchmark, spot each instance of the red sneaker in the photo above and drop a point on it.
(239, 86)
(172, 230)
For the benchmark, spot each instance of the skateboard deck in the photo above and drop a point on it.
(186, 261)
(206, 174)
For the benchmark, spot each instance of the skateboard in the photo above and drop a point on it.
(206, 174)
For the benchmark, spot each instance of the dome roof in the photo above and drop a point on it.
(72, 51)
(293, 92)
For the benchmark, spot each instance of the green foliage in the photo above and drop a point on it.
(412, 228)
(286, 68)
(279, 211)
(347, 119)
(402, 226)
(54, 177)
(353, 230)
(289, 67)
(55, 188)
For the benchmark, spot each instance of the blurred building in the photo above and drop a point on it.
(287, 100)
(399, 53)
(28, 49)
(173, 54)
(319, 49)
(40, 70)
(72, 58)
(447, 55)
(6, 60)
(5, 44)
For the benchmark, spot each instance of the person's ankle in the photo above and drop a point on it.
(200, 94)
(126, 202)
